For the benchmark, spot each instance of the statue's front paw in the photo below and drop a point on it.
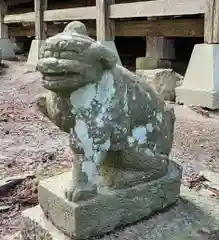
(81, 192)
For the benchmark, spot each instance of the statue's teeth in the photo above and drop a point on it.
(47, 54)
(68, 55)
(56, 54)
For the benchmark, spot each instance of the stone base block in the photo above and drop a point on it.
(208, 99)
(193, 212)
(110, 208)
(163, 80)
(152, 63)
(201, 83)
(34, 53)
(7, 49)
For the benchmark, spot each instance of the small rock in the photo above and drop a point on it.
(7, 132)
(4, 208)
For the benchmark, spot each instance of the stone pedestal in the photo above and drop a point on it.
(102, 214)
(7, 49)
(34, 53)
(201, 83)
(163, 80)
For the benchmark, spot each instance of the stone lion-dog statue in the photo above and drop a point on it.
(120, 128)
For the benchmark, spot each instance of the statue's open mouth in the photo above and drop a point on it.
(61, 74)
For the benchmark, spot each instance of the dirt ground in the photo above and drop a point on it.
(30, 143)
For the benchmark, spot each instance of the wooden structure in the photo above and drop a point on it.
(181, 17)
(109, 18)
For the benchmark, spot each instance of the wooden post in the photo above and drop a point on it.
(211, 23)
(3, 27)
(105, 26)
(159, 47)
(40, 28)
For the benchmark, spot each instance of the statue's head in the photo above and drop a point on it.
(72, 59)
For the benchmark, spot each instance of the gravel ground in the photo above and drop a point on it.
(196, 142)
(30, 142)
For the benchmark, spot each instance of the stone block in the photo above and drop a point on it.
(163, 80)
(201, 82)
(110, 208)
(34, 53)
(193, 212)
(7, 48)
(152, 63)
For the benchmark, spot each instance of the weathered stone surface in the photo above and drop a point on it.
(110, 208)
(152, 63)
(163, 80)
(57, 108)
(192, 213)
(119, 120)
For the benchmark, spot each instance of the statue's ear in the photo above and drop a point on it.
(103, 54)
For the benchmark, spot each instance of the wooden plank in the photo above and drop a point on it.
(52, 29)
(20, 18)
(17, 2)
(211, 23)
(157, 8)
(3, 27)
(168, 28)
(105, 26)
(70, 14)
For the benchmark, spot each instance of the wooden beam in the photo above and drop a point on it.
(157, 8)
(167, 28)
(70, 14)
(211, 23)
(3, 27)
(193, 27)
(105, 26)
(52, 29)
(39, 7)
(20, 18)
(17, 2)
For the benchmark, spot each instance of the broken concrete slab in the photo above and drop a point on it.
(201, 83)
(110, 208)
(163, 80)
(192, 213)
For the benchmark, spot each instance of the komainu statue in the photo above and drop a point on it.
(120, 128)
